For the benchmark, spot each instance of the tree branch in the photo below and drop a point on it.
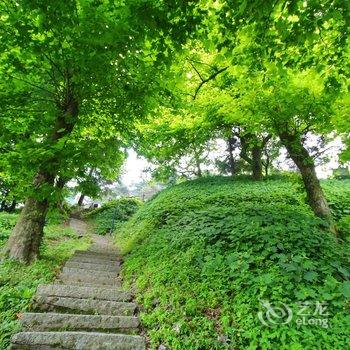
(31, 84)
(244, 150)
(202, 63)
(208, 79)
(54, 64)
(321, 152)
(199, 74)
(265, 140)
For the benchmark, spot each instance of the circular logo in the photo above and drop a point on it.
(274, 315)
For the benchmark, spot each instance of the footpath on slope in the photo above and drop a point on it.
(85, 308)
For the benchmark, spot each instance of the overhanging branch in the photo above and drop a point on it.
(208, 79)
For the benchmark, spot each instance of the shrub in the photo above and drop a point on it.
(58, 214)
(338, 195)
(111, 214)
(7, 222)
(205, 255)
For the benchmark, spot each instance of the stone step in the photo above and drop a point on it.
(80, 292)
(93, 267)
(101, 248)
(107, 253)
(78, 279)
(86, 306)
(98, 255)
(76, 341)
(92, 274)
(94, 260)
(68, 282)
(73, 322)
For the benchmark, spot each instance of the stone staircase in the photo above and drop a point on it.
(85, 309)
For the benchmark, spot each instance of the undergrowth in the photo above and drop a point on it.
(209, 256)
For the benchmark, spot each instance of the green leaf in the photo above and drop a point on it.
(345, 289)
(310, 275)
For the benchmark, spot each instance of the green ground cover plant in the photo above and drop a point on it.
(204, 255)
(113, 213)
(18, 282)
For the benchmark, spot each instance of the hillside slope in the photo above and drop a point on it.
(208, 257)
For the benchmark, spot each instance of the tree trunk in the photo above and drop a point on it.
(12, 207)
(198, 165)
(60, 183)
(306, 166)
(250, 144)
(81, 200)
(26, 237)
(232, 164)
(266, 165)
(257, 163)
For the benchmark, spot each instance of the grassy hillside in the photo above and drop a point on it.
(112, 214)
(204, 255)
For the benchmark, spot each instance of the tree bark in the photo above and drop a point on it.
(306, 166)
(252, 148)
(257, 167)
(254, 159)
(26, 237)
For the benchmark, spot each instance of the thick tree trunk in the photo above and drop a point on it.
(81, 200)
(257, 166)
(26, 237)
(60, 185)
(306, 166)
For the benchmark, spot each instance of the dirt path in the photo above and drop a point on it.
(82, 228)
(85, 309)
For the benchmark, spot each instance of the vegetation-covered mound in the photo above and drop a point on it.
(111, 214)
(209, 256)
